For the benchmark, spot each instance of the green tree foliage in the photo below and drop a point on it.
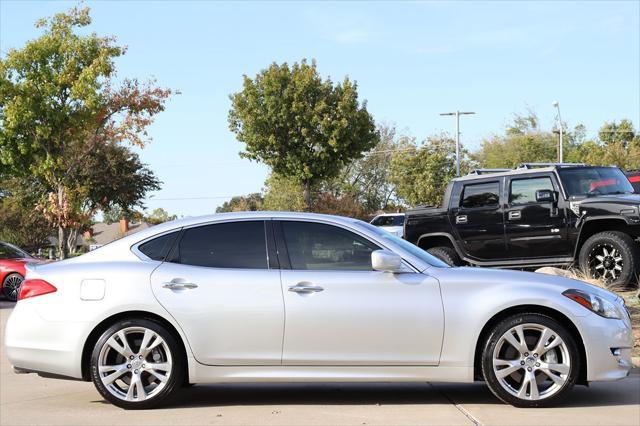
(366, 180)
(158, 216)
(62, 113)
(523, 141)
(242, 203)
(305, 128)
(19, 223)
(421, 173)
(283, 194)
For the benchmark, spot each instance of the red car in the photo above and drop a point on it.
(12, 262)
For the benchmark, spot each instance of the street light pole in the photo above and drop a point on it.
(457, 114)
(557, 105)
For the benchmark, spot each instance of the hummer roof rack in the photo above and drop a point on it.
(534, 165)
(487, 171)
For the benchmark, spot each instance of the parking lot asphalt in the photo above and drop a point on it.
(29, 399)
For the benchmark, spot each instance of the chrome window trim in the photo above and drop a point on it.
(354, 229)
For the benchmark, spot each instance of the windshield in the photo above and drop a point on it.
(588, 181)
(405, 245)
(10, 252)
(397, 220)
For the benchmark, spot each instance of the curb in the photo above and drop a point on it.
(635, 362)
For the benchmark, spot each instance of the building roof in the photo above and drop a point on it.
(104, 233)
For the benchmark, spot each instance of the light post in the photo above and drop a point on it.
(457, 114)
(556, 104)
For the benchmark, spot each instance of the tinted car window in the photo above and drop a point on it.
(523, 191)
(226, 245)
(388, 221)
(481, 195)
(158, 248)
(9, 252)
(316, 246)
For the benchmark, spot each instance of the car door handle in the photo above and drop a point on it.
(515, 215)
(178, 285)
(461, 219)
(305, 288)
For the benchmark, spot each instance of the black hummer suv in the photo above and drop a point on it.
(536, 215)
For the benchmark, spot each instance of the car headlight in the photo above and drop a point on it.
(594, 303)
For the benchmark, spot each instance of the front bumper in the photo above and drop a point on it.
(608, 344)
(33, 344)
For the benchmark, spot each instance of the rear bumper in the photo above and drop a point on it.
(35, 345)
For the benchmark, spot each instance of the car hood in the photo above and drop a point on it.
(485, 275)
(624, 199)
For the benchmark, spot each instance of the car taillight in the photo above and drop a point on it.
(35, 287)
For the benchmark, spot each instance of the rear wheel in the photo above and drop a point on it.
(611, 257)
(530, 360)
(447, 254)
(11, 286)
(137, 364)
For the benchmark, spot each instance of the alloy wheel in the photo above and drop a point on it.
(531, 362)
(605, 262)
(12, 286)
(135, 364)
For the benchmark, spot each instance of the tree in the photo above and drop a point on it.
(283, 194)
(303, 127)
(159, 216)
(19, 223)
(523, 142)
(60, 109)
(422, 173)
(249, 203)
(366, 180)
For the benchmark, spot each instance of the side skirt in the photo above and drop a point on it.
(199, 373)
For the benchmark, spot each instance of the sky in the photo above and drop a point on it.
(411, 60)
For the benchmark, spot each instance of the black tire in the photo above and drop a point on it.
(626, 249)
(570, 350)
(447, 254)
(11, 287)
(176, 373)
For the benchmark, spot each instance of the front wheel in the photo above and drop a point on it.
(612, 257)
(137, 364)
(530, 360)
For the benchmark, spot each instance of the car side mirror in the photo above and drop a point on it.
(387, 261)
(546, 196)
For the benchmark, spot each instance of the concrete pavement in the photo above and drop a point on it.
(29, 399)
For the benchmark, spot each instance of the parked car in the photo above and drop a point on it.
(12, 269)
(390, 222)
(634, 178)
(536, 215)
(203, 300)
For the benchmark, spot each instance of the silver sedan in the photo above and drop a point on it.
(265, 297)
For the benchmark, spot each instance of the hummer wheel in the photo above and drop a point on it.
(612, 257)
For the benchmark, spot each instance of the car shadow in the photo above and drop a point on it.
(377, 394)
(5, 304)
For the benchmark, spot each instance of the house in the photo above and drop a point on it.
(102, 233)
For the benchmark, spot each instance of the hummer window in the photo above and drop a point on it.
(523, 191)
(481, 195)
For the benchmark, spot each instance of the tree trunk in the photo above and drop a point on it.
(62, 243)
(71, 240)
(62, 232)
(307, 195)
